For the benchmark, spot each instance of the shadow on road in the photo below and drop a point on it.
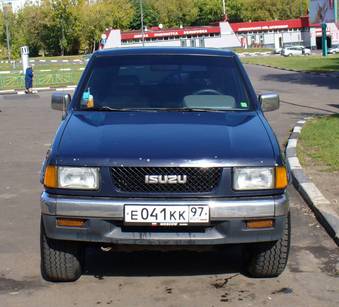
(156, 263)
(311, 108)
(334, 105)
(304, 79)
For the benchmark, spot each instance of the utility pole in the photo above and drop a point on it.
(224, 8)
(5, 11)
(324, 38)
(142, 23)
(62, 40)
(8, 41)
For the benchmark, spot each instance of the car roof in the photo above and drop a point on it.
(163, 51)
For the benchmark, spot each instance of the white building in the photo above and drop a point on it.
(221, 36)
(269, 34)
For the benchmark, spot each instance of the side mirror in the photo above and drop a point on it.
(269, 102)
(60, 101)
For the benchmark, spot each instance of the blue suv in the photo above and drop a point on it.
(164, 147)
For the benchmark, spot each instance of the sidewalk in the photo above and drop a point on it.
(36, 90)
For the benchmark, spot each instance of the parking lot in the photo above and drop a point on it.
(27, 126)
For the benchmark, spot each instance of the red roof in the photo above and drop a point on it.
(155, 32)
(170, 32)
(302, 22)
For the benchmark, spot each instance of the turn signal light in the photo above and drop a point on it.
(281, 177)
(255, 224)
(51, 177)
(70, 222)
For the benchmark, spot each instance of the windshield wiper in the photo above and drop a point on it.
(110, 109)
(190, 110)
(107, 108)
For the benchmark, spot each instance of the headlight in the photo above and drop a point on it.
(259, 178)
(78, 178)
(82, 178)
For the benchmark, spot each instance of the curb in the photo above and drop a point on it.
(71, 61)
(254, 54)
(321, 206)
(38, 90)
(322, 74)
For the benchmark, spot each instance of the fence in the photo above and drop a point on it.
(41, 79)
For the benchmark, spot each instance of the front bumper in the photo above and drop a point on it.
(105, 220)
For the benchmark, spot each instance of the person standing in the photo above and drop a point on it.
(29, 80)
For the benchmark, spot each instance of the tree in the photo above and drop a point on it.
(254, 10)
(208, 11)
(122, 12)
(173, 13)
(57, 25)
(3, 51)
(16, 38)
(151, 15)
(95, 18)
(69, 26)
(234, 10)
(29, 26)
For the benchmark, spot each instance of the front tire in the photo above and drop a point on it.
(60, 260)
(270, 259)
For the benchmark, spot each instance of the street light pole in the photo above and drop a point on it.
(5, 11)
(324, 38)
(8, 41)
(224, 8)
(142, 23)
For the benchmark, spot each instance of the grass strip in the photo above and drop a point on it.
(319, 140)
(252, 50)
(315, 63)
(41, 79)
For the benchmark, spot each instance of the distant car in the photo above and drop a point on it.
(295, 50)
(277, 50)
(333, 50)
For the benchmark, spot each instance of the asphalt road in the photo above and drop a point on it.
(27, 126)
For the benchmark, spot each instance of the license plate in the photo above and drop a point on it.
(166, 215)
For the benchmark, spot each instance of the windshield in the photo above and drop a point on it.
(164, 82)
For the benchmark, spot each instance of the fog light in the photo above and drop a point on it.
(70, 222)
(255, 224)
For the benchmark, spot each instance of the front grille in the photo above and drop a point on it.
(199, 180)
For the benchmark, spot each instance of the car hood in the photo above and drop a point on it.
(165, 138)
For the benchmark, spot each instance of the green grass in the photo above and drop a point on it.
(38, 66)
(41, 79)
(252, 50)
(304, 63)
(65, 57)
(319, 142)
(15, 80)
